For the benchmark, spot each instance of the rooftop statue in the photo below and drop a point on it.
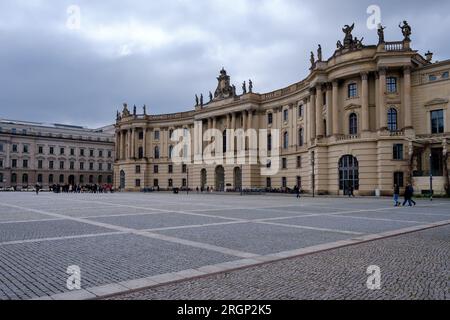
(125, 111)
(224, 89)
(244, 88)
(250, 86)
(313, 59)
(348, 40)
(196, 100)
(381, 33)
(406, 30)
(319, 53)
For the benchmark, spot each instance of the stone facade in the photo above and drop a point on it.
(366, 118)
(47, 154)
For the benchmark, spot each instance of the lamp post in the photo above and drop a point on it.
(431, 176)
(187, 181)
(313, 162)
(242, 181)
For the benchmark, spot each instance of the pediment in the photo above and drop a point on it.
(352, 106)
(436, 102)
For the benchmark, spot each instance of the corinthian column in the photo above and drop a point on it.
(336, 128)
(319, 107)
(312, 115)
(382, 99)
(407, 97)
(365, 101)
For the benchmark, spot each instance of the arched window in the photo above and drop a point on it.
(156, 152)
(353, 124)
(51, 179)
(61, 178)
(14, 178)
(286, 140)
(39, 178)
(392, 120)
(301, 137)
(25, 178)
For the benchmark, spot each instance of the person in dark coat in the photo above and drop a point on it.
(396, 195)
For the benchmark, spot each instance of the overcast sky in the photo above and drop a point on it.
(162, 52)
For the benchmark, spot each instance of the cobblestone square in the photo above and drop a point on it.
(131, 241)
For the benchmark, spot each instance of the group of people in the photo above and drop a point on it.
(69, 188)
(408, 196)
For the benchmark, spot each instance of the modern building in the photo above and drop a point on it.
(369, 117)
(51, 154)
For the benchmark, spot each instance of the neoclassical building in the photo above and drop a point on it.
(48, 154)
(369, 117)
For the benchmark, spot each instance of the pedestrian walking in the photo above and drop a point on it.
(409, 192)
(396, 195)
(37, 188)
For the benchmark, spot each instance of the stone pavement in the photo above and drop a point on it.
(413, 266)
(122, 242)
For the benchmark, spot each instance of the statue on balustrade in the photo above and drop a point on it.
(250, 86)
(134, 110)
(125, 112)
(381, 33)
(196, 101)
(406, 30)
(244, 88)
(319, 53)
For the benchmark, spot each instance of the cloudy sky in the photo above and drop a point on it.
(77, 65)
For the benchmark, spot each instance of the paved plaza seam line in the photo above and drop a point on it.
(222, 250)
(311, 228)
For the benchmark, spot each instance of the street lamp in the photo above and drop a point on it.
(431, 176)
(313, 162)
(187, 181)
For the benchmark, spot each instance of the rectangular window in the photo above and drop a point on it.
(25, 164)
(109, 154)
(437, 121)
(284, 182)
(268, 183)
(91, 153)
(72, 151)
(286, 115)
(155, 169)
(14, 163)
(72, 165)
(14, 148)
(40, 149)
(352, 90)
(138, 169)
(141, 135)
(156, 135)
(398, 152)
(170, 168)
(156, 183)
(61, 165)
(100, 167)
(51, 165)
(300, 111)
(25, 149)
(52, 150)
(299, 162)
(40, 164)
(170, 183)
(184, 182)
(91, 166)
(1, 165)
(81, 165)
(284, 163)
(100, 153)
(138, 183)
(399, 179)
(82, 152)
(1, 147)
(184, 168)
(61, 151)
(391, 84)
(109, 167)
(269, 118)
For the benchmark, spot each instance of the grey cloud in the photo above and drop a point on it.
(50, 74)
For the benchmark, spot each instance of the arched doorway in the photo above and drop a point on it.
(237, 174)
(220, 179)
(122, 179)
(203, 179)
(72, 180)
(348, 173)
